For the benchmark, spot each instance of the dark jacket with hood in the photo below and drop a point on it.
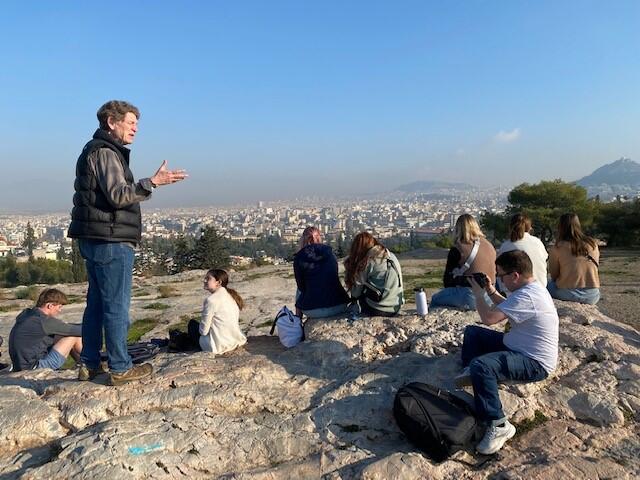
(33, 335)
(93, 215)
(316, 271)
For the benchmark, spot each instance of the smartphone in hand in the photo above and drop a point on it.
(480, 278)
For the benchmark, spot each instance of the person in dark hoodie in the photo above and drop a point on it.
(39, 340)
(320, 293)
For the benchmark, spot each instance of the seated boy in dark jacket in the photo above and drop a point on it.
(39, 340)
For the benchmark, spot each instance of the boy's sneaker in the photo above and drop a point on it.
(463, 379)
(495, 437)
(137, 372)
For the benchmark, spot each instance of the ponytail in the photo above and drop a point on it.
(236, 296)
(519, 225)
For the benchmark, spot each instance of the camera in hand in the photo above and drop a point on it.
(480, 278)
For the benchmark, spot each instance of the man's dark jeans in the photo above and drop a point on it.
(109, 270)
(491, 362)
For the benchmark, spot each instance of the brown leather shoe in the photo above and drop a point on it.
(137, 372)
(85, 373)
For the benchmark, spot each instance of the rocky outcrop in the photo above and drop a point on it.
(323, 408)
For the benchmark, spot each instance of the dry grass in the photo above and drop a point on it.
(620, 285)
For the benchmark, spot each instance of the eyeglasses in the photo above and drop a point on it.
(501, 276)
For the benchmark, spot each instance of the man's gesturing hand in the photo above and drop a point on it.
(165, 176)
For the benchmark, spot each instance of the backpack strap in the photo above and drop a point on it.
(139, 352)
(390, 263)
(395, 268)
(457, 272)
(282, 313)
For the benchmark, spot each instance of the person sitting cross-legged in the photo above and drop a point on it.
(39, 340)
(528, 352)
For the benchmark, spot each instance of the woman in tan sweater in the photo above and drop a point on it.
(457, 292)
(573, 264)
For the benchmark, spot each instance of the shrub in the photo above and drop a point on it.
(10, 307)
(166, 291)
(30, 293)
(156, 306)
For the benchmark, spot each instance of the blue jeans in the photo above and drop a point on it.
(325, 311)
(590, 296)
(457, 297)
(491, 362)
(109, 269)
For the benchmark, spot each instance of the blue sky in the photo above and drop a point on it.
(271, 100)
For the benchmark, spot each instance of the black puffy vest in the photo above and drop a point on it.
(93, 217)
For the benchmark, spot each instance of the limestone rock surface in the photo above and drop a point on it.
(322, 409)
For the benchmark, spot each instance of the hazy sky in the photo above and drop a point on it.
(273, 99)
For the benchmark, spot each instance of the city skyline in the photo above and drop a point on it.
(289, 99)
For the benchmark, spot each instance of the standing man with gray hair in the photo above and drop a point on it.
(106, 221)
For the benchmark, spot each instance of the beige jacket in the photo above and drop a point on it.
(485, 260)
(569, 271)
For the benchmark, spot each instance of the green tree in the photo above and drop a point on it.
(182, 254)
(61, 254)
(29, 242)
(78, 269)
(210, 250)
(619, 223)
(9, 271)
(544, 202)
(495, 226)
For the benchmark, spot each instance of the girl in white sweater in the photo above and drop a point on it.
(219, 328)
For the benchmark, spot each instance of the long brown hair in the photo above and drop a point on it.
(223, 277)
(358, 256)
(519, 224)
(569, 230)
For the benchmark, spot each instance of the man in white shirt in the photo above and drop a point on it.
(528, 352)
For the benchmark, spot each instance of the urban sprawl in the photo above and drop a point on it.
(421, 215)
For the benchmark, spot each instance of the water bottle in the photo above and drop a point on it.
(421, 301)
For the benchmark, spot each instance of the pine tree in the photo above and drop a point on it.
(210, 250)
(30, 240)
(182, 255)
(78, 268)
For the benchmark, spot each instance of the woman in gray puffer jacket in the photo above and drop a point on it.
(373, 277)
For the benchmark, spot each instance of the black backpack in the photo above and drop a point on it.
(435, 420)
(180, 341)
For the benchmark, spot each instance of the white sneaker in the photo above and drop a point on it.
(495, 437)
(463, 379)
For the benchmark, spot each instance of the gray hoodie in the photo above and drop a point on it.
(33, 335)
(383, 277)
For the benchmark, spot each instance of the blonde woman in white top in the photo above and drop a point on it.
(219, 326)
(519, 228)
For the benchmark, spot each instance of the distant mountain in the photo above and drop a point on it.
(621, 177)
(432, 186)
(621, 172)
